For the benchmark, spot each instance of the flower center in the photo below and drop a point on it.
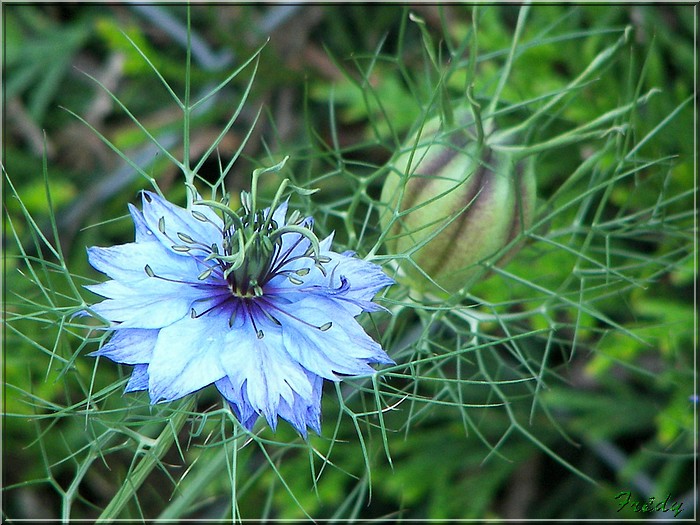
(249, 253)
(252, 253)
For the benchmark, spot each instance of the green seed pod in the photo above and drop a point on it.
(452, 204)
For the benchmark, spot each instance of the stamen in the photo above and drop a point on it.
(230, 216)
(258, 331)
(180, 248)
(271, 317)
(232, 318)
(206, 286)
(161, 225)
(196, 315)
(199, 216)
(282, 260)
(303, 231)
(324, 327)
(147, 197)
(186, 238)
(294, 280)
(205, 274)
(301, 272)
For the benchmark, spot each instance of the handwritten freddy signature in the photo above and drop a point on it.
(624, 499)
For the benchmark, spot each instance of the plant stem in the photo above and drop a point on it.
(139, 474)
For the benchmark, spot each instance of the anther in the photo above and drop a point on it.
(161, 225)
(260, 334)
(271, 317)
(301, 272)
(185, 238)
(325, 327)
(199, 216)
(147, 197)
(149, 271)
(294, 280)
(180, 248)
(205, 274)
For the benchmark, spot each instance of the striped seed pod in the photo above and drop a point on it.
(453, 204)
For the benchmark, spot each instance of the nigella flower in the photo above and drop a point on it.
(250, 301)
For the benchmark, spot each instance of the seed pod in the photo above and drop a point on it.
(452, 204)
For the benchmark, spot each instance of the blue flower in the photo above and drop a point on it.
(251, 302)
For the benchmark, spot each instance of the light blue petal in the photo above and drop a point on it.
(364, 278)
(341, 348)
(142, 232)
(129, 346)
(313, 410)
(302, 412)
(295, 416)
(127, 262)
(280, 213)
(138, 379)
(305, 412)
(238, 401)
(156, 304)
(186, 357)
(350, 281)
(159, 213)
(268, 371)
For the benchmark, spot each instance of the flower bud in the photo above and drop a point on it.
(453, 203)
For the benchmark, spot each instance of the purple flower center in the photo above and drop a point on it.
(251, 255)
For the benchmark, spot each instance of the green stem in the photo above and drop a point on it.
(522, 16)
(189, 174)
(95, 453)
(476, 113)
(256, 175)
(275, 202)
(589, 130)
(597, 63)
(188, 496)
(139, 474)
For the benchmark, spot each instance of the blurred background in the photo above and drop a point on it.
(338, 88)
